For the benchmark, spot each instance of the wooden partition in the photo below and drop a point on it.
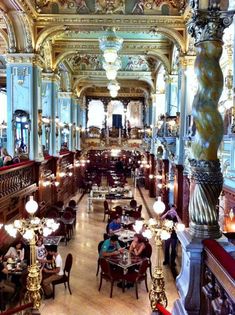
(218, 280)
(181, 193)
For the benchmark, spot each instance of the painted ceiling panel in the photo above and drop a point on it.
(160, 7)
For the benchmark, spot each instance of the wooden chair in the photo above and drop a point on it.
(98, 261)
(133, 204)
(148, 253)
(108, 274)
(106, 209)
(138, 276)
(66, 276)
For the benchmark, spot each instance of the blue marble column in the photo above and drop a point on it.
(23, 93)
(50, 86)
(66, 114)
(185, 97)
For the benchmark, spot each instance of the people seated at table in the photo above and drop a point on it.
(16, 252)
(114, 225)
(170, 243)
(52, 274)
(138, 245)
(6, 286)
(41, 251)
(111, 247)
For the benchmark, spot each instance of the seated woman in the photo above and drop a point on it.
(41, 251)
(138, 245)
(16, 252)
(114, 225)
(7, 159)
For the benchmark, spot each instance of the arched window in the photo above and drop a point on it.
(96, 115)
(165, 9)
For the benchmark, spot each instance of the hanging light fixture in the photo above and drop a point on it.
(110, 44)
(113, 87)
(112, 68)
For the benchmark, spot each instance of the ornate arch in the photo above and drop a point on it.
(28, 33)
(10, 32)
(162, 58)
(173, 35)
(62, 56)
(48, 32)
(4, 36)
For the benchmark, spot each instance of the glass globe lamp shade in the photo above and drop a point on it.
(110, 44)
(11, 230)
(138, 226)
(110, 55)
(159, 206)
(31, 206)
(113, 93)
(111, 74)
(46, 231)
(28, 235)
(148, 234)
(165, 235)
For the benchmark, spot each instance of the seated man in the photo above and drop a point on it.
(53, 274)
(114, 225)
(110, 247)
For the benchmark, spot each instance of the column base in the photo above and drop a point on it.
(205, 231)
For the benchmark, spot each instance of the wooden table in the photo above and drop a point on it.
(125, 263)
(125, 236)
(51, 240)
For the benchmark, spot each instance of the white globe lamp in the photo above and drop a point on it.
(159, 206)
(31, 206)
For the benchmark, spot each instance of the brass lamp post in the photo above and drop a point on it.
(28, 229)
(160, 230)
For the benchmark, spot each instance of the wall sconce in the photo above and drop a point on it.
(62, 174)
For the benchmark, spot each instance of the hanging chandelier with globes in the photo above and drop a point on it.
(113, 88)
(110, 44)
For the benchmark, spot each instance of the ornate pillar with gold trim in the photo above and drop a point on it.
(23, 100)
(206, 26)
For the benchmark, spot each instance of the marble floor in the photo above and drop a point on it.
(85, 298)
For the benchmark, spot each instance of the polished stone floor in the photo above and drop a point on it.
(85, 298)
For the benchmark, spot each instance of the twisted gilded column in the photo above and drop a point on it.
(207, 27)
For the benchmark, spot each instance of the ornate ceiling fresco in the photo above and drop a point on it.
(165, 7)
(65, 34)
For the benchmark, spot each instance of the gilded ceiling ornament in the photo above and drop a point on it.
(110, 6)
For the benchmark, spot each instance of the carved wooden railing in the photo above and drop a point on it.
(218, 280)
(16, 177)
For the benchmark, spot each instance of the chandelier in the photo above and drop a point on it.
(112, 68)
(110, 44)
(113, 88)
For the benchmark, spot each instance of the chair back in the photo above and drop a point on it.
(100, 246)
(72, 203)
(119, 210)
(106, 205)
(143, 268)
(52, 214)
(147, 252)
(68, 264)
(139, 209)
(133, 203)
(67, 215)
(105, 267)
